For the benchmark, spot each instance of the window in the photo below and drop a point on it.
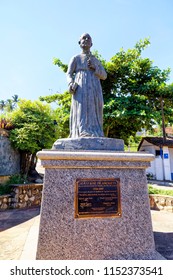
(157, 153)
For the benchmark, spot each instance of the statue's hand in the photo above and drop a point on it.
(91, 65)
(72, 87)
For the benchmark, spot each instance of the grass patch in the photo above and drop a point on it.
(6, 187)
(152, 190)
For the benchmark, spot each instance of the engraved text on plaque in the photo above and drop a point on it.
(97, 198)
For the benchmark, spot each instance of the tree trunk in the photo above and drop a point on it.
(33, 162)
(25, 163)
(33, 174)
(28, 166)
(107, 131)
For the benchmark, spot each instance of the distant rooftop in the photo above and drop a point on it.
(157, 141)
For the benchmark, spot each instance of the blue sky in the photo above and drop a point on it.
(35, 31)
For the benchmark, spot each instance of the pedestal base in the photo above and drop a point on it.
(62, 236)
(89, 143)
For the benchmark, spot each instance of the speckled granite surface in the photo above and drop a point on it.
(61, 236)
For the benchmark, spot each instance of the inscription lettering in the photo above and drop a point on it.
(97, 198)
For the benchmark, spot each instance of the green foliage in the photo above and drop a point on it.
(34, 126)
(152, 190)
(50, 98)
(61, 113)
(132, 93)
(125, 115)
(133, 143)
(58, 62)
(5, 188)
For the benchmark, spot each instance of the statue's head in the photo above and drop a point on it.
(85, 41)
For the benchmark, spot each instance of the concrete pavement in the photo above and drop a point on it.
(19, 233)
(163, 232)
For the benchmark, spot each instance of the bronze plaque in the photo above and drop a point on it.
(97, 198)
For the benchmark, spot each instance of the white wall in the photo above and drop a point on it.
(171, 160)
(159, 168)
(147, 147)
(166, 161)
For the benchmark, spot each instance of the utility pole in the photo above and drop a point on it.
(164, 134)
(163, 120)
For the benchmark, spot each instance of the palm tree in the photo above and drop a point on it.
(9, 105)
(2, 105)
(15, 100)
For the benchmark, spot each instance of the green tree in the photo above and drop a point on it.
(61, 113)
(9, 105)
(34, 130)
(132, 92)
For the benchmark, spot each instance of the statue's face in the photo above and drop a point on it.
(85, 41)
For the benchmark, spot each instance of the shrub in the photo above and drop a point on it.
(5, 188)
(152, 190)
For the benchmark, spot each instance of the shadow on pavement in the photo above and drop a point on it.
(11, 218)
(164, 244)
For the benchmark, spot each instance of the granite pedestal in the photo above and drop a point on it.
(62, 236)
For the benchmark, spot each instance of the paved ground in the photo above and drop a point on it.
(19, 233)
(163, 232)
(163, 224)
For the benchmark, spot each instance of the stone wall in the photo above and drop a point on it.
(9, 158)
(5, 201)
(22, 196)
(161, 202)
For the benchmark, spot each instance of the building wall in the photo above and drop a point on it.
(166, 163)
(158, 162)
(156, 168)
(161, 167)
(171, 161)
(9, 158)
(149, 148)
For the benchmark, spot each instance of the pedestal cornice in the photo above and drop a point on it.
(94, 155)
